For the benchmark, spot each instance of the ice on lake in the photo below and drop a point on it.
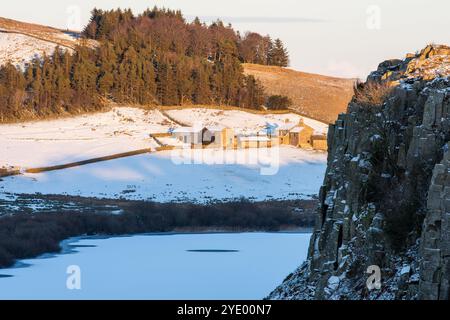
(166, 266)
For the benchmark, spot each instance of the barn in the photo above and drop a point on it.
(203, 137)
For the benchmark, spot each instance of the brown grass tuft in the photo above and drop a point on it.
(371, 94)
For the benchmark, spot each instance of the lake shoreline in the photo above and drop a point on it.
(28, 235)
(238, 266)
(68, 248)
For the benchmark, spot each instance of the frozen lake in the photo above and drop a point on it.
(168, 266)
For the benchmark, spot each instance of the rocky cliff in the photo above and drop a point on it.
(385, 201)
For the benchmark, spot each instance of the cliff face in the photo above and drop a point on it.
(385, 200)
(435, 246)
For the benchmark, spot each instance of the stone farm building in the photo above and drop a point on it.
(216, 137)
(299, 135)
(302, 136)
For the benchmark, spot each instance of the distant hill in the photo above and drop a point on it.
(40, 32)
(316, 96)
(21, 41)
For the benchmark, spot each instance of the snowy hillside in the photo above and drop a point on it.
(20, 42)
(19, 49)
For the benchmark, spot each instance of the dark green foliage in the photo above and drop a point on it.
(12, 91)
(156, 58)
(278, 54)
(192, 62)
(61, 83)
(253, 95)
(254, 48)
(278, 102)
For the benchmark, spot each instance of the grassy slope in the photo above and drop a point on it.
(316, 96)
(44, 33)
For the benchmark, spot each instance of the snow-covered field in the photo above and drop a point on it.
(43, 143)
(179, 175)
(194, 266)
(186, 175)
(242, 122)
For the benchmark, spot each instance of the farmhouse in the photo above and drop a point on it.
(283, 133)
(296, 134)
(301, 137)
(200, 137)
(189, 135)
(220, 137)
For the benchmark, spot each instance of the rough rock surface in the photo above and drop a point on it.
(385, 200)
(435, 246)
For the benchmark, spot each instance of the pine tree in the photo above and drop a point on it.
(107, 64)
(279, 55)
(182, 73)
(148, 90)
(167, 93)
(13, 83)
(253, 96)
(84, 80)
(201, 93)
(129, 78)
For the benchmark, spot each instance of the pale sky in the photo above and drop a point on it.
(346, 38)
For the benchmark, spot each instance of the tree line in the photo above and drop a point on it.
(169, 31)
(51, 85)
(22, 237)
(155, 58)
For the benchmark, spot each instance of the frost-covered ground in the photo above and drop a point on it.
(186, 175)
(234, 266)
